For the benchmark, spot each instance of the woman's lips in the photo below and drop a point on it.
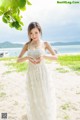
(34, 38)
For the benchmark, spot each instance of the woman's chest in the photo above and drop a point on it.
(36, 52)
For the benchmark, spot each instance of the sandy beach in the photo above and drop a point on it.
(13, 93)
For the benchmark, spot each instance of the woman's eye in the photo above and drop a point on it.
(35, 32)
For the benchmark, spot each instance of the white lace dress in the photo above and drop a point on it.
(40, 89)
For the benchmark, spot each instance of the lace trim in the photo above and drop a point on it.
(38, 47)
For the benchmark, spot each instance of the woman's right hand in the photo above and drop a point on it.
(31, 59)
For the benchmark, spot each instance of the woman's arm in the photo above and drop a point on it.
(24, 49)
(22, 59)
(53, 55)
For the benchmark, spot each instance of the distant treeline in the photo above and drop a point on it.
(10, 45)
(65, 43)
(19, 45)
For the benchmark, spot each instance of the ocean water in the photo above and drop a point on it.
(68, 49)
(60, 49)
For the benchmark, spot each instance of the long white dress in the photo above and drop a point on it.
(40, 89)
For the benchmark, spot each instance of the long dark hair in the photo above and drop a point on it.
(34, 25)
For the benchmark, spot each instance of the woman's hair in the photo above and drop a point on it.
(34, 25)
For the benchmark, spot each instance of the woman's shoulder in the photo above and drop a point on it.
(26, 45)
(46, 43)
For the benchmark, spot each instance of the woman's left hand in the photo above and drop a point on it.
(38, 60)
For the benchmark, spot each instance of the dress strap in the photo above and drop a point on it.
(28, 46)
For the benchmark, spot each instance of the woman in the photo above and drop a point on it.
(40, 85)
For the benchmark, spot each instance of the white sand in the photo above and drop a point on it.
(13, 93)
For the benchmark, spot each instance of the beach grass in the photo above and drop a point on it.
(72, 61)
(62, 70)
(7, 58)
(2, 94)
(13, 65)
(18, 67)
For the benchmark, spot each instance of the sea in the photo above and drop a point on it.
(62, 49)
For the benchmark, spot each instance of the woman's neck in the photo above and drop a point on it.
(36, 44)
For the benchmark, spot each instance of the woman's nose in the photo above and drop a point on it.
(34, 35)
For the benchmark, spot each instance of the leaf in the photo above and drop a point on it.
(21, 23)
(18, 11)
(15, 17)
(1, 12)
(10, 12)
(11, 24)
(6, 18)
(16, 25)
(5, 4)
(23, 9)
(7, 12)
(2, 9)
(21, 3)
(28, 2)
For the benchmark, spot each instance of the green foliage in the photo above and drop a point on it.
(72, 61)
(62, 70)
(2, 94)
(8, 58)
(10, 12)
(19, 67)
(13, 65)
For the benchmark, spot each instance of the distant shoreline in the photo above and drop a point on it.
(68, 53)
(61, 50)
(53, 45)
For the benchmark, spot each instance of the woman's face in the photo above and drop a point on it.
(34, 34)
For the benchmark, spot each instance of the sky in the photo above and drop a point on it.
(59, 22)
